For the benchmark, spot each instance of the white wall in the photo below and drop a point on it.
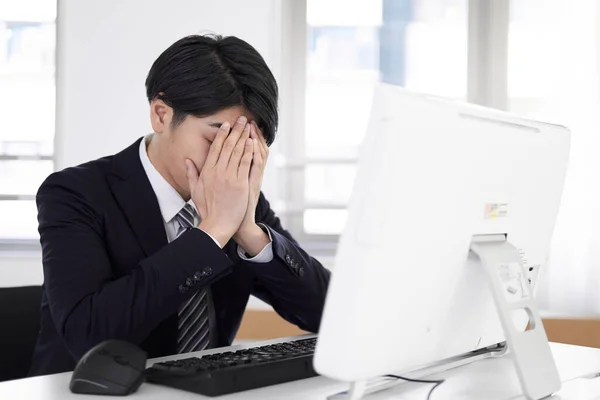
(105, 49)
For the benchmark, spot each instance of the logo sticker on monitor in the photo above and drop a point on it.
(495, 210)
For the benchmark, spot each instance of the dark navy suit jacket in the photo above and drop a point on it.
(109, 272)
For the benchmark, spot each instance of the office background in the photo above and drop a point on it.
(72, 89)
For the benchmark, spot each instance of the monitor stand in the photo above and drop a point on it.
(529, 349)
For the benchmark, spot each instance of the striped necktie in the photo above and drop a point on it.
(193, 324)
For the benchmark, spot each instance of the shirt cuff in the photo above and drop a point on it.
(265, 255)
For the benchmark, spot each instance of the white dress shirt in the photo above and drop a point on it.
(170, 203)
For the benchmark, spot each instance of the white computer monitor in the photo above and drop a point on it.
(405, 290)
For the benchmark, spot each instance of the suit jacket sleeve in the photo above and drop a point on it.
(87, 301)
(293, 283)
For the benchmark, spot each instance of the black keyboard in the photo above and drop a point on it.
(236, 371)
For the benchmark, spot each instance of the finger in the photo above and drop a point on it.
(217, 145)
(256, 131)
(254, 135)
(258, 165)
(238, 151)
(191, 173)
(246, 161)
(264, 148)
(236, 131)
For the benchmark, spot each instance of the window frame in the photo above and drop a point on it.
(487, 65)
(18, 245)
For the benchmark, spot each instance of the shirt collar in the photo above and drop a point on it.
(169, 200)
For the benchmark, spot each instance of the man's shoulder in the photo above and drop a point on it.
(88, 177)
(93, 176)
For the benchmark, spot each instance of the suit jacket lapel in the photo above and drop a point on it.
(133, 192)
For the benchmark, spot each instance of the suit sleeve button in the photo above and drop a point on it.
(183, 289)
(207, 271)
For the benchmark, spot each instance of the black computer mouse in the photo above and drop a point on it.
(113, 367)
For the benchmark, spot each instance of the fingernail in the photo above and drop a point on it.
(225, 125)
(241, 120)
(248, 141)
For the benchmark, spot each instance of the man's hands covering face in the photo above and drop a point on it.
(226, 192)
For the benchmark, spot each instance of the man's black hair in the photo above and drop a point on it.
(200, 75)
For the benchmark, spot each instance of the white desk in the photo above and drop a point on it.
(490, 379)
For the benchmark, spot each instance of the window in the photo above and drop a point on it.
(419, 44)
(27, 85)
(536, 58)
(556, 79)
(535, 66)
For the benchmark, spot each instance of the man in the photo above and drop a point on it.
(163, 243)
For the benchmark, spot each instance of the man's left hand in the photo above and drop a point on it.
(250, 236)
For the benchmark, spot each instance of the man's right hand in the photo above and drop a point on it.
(220, 192)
